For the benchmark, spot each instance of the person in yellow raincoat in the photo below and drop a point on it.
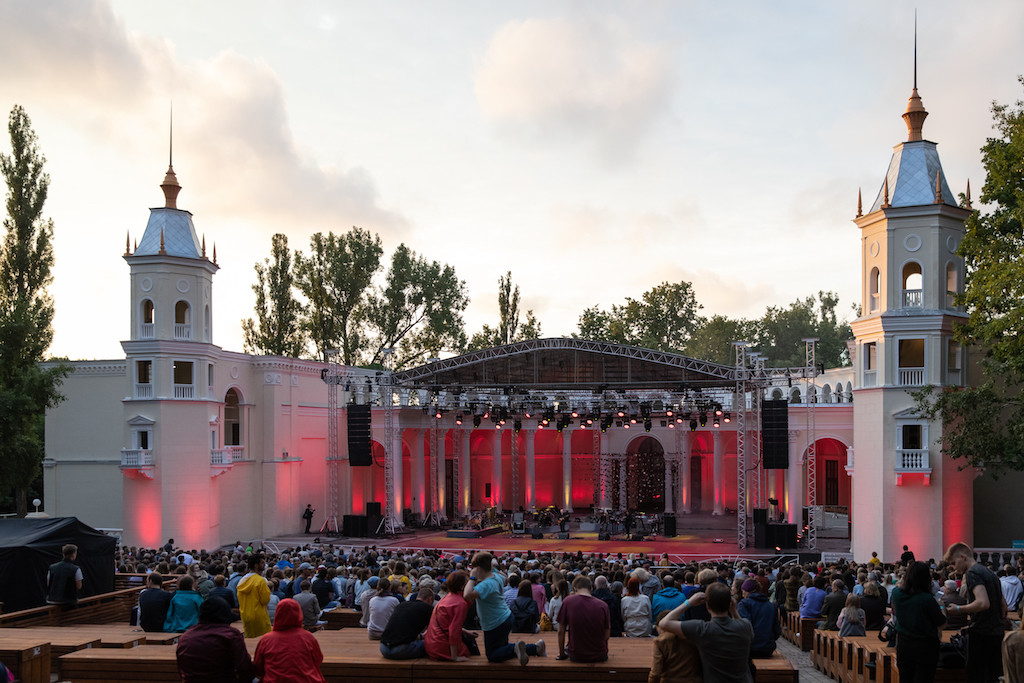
(253, 597)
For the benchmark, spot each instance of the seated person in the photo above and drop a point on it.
(183, 610)
(221, 590)
(588, 621)
(153, 604)
(675, 659)
(289, 653)
(381, 606)
(955, 620)
(309, 603)
(401, 638)
(723, 642)
(525, 613)
(213, 651)
(445, 638)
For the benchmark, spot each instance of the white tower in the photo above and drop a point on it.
(904, 491)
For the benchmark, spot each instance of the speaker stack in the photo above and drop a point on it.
(775, 434)
(669, 523)
(358, 419)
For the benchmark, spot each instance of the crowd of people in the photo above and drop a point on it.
(706, 621)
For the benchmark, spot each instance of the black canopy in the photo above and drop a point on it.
(29, 546)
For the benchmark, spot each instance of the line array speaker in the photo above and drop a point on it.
(775, 434)
(359, 445)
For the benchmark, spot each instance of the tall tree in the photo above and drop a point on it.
(27, 389)
(984, 424)
(418, 310)
(509, 328)
(781, 330)
(664, 318)
(713, 341)
(335, 279)
(277, 329)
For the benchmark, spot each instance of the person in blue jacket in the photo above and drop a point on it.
(183, 612)
(763, 617)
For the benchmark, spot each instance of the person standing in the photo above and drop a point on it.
(485, 586)
(64, 578)
(307, 515)
(253, 598)
(918, 618)
(987, 609)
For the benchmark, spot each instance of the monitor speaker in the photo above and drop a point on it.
(373, 509)
(669, 522)
(359, 443)
(775, 434)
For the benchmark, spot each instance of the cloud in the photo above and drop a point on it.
(587, 81)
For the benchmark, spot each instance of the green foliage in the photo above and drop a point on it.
(713, 341)
(277, 330)
(664, 318)
(27, 389)
(418, 311)
(335, 279)
(984, 425)
(509, 328)
(781, 331)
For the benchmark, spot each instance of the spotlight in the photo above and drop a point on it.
(671, 425)
(727, 418)
(693, 425)
(668, 413)
(497, 426)
(632, 420)
(620, 413)
(438, 414)
(647, 425)
(679, 420)
(458, 419)
(718, 412)
(716, 423)
(476, 421)
(625, 425)
(575, 413)
(487, 414)
(517, 425)
(703, 419)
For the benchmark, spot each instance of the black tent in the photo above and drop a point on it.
(29, 546)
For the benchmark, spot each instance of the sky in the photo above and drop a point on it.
(595, 149)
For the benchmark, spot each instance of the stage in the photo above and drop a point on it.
(700, 536)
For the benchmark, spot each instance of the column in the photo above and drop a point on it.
(567, 469)
(442, 498)
(622, 485)
(417, 492)
(465, 474)
(795, 494)
(719, 465)
(684, 472)
(670, 508)
(396, 476)
(496, 472)
(529, 436)
(602, 462)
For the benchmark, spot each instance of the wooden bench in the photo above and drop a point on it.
(775, 669)
(108, 665)
(805, 641)
(28, 658)
(341, 617)
(106, 608)
(62, 640)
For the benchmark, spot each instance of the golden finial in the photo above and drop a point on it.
(860, 205)
(162, 250)
(915, 114)
(885, 194)
(204, 246)
(968, 197)
(938, 188)
(127, 243)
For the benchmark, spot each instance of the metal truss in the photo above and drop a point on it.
(514, 464)
(812, 465)
(456, 490)
(739, 406)
(435, 514)
(389, 525)
(334, 375)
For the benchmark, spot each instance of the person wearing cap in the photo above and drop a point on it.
(763, 618)
(213, 651)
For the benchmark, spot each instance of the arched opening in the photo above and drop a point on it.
(776, 394)
(182, 320)
(232, 419)
(826, 394)
(952, 285)
(645, 475)
(874, 287)
(794, 396)
(912, 280)
(849, 392)
(146, 327)
(833, 481)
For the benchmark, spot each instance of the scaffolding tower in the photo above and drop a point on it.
(386, 394)
(810, 400)
(334, 375)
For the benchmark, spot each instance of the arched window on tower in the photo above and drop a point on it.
(912, 285)
(232, 419)
(146, 326)
(952, 285)
(182, 320)
(874, 285)
(208, 324)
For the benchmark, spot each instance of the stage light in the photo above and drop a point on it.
(458, 419)
(693, 425)
(503, 414)
(718, 412)
(632, 420)
(625, 425)
(487, 414)
(668, 413)
(727, 418)
(497, 426)
(620, 413)
(671, 425)
(679, 420)
(589, 421)
(716, 424)
(438, 414)
(575, 413)
(526, 414)
(703, 419)
(517, 425)
(647, 425)
(544, 422)
(476, 421)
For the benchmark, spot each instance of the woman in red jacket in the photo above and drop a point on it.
(444, 635)
(288, 654)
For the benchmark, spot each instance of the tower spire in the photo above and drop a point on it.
(860, 205)
(915, 114)
(170, 185)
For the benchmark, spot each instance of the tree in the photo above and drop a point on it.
(713, 341)
(780, 332)
(983, 425)
(27, 388)
(509, 329)
(335, 279)
(418, 311)
(277, 330)
(664, 318)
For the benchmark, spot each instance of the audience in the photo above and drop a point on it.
(154, 602)
(723, 642)
(213, 651)
(402, 636)
(183, 609)
(289, 653)
(588, 621)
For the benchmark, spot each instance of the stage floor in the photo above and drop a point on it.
(697, 539)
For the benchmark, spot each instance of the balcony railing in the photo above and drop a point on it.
(911, 298)
(136, 457)
(870, 378)
(144, 391)
(911, 377)
(147, 331)
(182, 331)
(227, 455)
(184, 391)
(912, 460)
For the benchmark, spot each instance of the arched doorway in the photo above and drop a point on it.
(645, 475)
(232, 418)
